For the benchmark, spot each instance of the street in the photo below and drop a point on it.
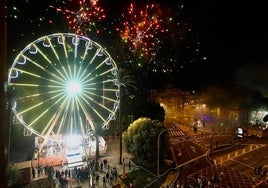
(237, 165)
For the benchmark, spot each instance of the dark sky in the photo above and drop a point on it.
(232, 36)
(240, 33)
(235, 37)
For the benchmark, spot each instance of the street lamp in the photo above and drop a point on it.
(158, 150)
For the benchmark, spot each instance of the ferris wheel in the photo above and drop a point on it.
(63, 83)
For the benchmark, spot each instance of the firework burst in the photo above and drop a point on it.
(141, 29)
(82, 16)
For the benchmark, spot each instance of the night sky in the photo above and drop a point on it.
(204, 42)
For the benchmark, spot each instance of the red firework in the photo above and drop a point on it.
(141, 29)
(83, 15)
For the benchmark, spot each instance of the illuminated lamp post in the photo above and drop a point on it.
(158, 149)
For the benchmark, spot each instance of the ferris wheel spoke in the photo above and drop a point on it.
(94, 70)
(61, 123)
(43, 68)
(61, 39)
(38, 76)
(75, 42)
(48, 127)
(88, 46)
(46, 95)
(81, 122)
(57, 56)
(45, 111)
(43, 95)
(110, 90)
(47, 60)
(78, 73)
(101, 96)
(100, 75)
(93, 109)
(72, 117)
(51, 124)
(36, 95)
(88, 116)
(97, 103)
(23, 85)
(66, 106)
(79, 116)
(108, 71)
(87, 93)
(87, 67)
(56, 115)
(101, 64)
(41, 103)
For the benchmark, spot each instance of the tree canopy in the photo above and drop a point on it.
(141, 140)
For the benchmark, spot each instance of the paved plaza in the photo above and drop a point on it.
(112, 157)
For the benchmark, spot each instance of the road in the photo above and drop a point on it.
(236, 165)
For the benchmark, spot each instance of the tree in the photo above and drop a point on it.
(98, 132)
(141, 140)
(125, 81)
(13, 174)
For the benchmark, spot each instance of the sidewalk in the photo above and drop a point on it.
(112, 157)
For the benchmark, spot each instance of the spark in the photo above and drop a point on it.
(82, 16)
(141, 29)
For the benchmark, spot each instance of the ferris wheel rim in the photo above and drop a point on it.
(78, 37)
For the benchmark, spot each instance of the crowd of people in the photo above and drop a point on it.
(96, 173)
(199, 181)
(76, 174)
(103, 172)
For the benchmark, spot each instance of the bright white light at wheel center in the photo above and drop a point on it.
(73, 87)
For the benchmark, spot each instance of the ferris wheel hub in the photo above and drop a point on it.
(73, 87)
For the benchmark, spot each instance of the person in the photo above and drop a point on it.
(33, 172)
(104, 181)
(108, 177)
(97, 179)
(129, 164)
(114, 173)
(101, 166)
(105, 162)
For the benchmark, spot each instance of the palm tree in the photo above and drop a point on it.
(125, 80)
(97, 132)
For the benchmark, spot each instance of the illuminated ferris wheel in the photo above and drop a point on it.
(63, 84)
